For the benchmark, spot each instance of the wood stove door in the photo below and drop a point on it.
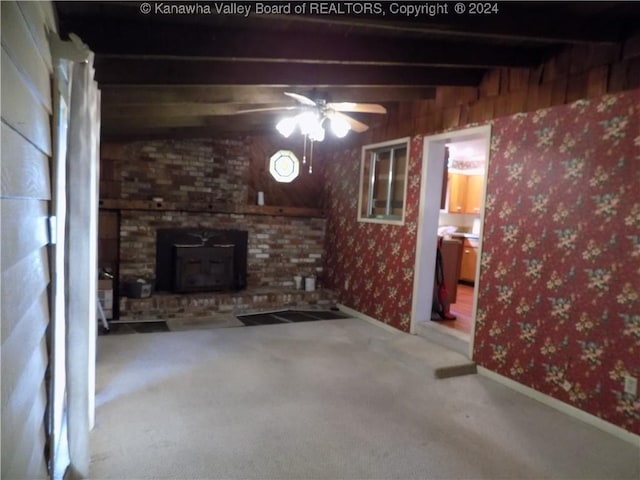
(202, 269)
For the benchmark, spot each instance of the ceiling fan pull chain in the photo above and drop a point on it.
(304, 151)
(311, 157)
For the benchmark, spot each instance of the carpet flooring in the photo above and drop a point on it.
(324, 400)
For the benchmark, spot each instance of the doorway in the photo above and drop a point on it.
(440, 204)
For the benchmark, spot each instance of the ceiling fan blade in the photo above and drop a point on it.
(357, 107)
(356, 125)
(301, 98)
(266, 109)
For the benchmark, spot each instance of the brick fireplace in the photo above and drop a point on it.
(199, 187)
(277, 247)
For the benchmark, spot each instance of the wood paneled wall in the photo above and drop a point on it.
(24, 205)
(305, 191)
(579, 72)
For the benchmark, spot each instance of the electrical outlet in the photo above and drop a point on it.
(631, 385)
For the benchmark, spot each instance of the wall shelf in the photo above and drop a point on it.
(164, 206)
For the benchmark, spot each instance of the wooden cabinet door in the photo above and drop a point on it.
(457, 188)
(468, 264)
(473, 198)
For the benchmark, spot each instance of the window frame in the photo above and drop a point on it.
(279, 156)
(367, 158)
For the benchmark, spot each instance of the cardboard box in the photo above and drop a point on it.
(105, 297)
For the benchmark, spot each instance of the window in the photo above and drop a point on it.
(284, 166)
(383, 182)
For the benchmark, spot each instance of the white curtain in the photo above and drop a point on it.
(81, 266)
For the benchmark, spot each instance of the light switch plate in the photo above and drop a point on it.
(631, 385)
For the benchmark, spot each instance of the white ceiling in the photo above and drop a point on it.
(469, 150)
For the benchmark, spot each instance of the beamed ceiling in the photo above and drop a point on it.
(170, 74)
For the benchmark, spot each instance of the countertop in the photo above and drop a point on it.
(472, 236)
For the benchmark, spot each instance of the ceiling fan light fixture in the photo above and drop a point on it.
(315, 113)
(308, 122)
(317, 135)
(286, 126)
(339, 126)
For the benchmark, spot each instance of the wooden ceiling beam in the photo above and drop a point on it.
(242, 44)
(194, 110)
(253, 120)
(114, 95)
(134, 132)
(127, 123)
(177, 109)
(193, 127)
(141, 70)
(185, 119)
(145, 133)
(516, 26)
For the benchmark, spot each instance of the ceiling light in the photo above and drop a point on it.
(286, 126)
(308, 122)
(310, 125)
(339, 126)
(317, 135)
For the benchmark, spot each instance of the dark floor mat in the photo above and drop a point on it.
(290, 316)
(260, 319)
(136, 327)
(328, 314)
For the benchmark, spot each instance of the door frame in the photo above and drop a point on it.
(57, 401)
(433, 158)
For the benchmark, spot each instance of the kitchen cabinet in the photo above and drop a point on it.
(469, 261)
(457, 190)
(465, 193)
(473, 198)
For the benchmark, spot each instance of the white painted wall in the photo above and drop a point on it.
(25, 196)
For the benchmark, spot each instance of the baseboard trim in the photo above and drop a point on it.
(563, 407)
(367, 318)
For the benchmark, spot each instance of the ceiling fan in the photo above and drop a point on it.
(312, 116)
(314, 113)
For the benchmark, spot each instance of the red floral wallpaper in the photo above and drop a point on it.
(559, 292)
(370, 265)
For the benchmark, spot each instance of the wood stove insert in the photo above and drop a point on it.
(200, 260)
